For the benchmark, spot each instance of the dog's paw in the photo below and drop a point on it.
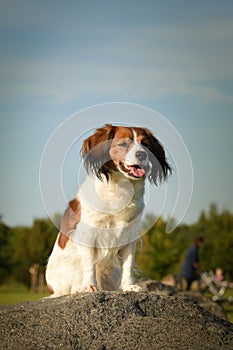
(75, 290)
(132, 288)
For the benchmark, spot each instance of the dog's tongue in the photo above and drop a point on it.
(137, 172)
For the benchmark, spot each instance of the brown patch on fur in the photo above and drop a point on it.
(51, 291)
(101, 135)
(121, 144)
(70, 219)
(75, 205)
(94, 289)
(122, 132)
(62, 240)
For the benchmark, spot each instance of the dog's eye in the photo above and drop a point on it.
(123, 144)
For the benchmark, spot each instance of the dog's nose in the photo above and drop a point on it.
(141, 155)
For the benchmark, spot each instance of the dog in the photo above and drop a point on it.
(95, 247)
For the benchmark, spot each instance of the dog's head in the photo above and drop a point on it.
(132, 151)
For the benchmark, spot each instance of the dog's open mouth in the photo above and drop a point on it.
(132, 170)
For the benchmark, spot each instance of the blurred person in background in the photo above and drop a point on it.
(191, 267)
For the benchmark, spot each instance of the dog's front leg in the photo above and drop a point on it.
(127, 278)
(88, 265)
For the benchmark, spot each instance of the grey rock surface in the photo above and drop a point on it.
(113, 320)
(203, 301)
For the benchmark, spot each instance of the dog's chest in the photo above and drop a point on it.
(109, 204)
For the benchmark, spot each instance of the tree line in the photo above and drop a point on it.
(158, 255)
(163, 253)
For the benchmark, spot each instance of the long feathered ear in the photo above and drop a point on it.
(95, 151)
(160, 167)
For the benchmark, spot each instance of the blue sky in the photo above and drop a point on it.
(59, 57)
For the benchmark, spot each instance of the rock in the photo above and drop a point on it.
(206, 303)
(159, 287)
(113, 320)
(165, 289)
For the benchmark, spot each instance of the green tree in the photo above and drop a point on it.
(5, 252)
(32, 245)
(218, 245)
(160, 251)
(163, 253)
(160, 254)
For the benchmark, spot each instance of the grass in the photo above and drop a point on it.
(12, 295)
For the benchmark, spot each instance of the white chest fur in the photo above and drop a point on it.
(110, 211)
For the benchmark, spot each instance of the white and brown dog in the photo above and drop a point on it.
(95, 247)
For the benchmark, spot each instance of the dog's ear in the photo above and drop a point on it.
(95, 151)
(160, 167)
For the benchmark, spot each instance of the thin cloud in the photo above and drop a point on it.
(184, 58)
